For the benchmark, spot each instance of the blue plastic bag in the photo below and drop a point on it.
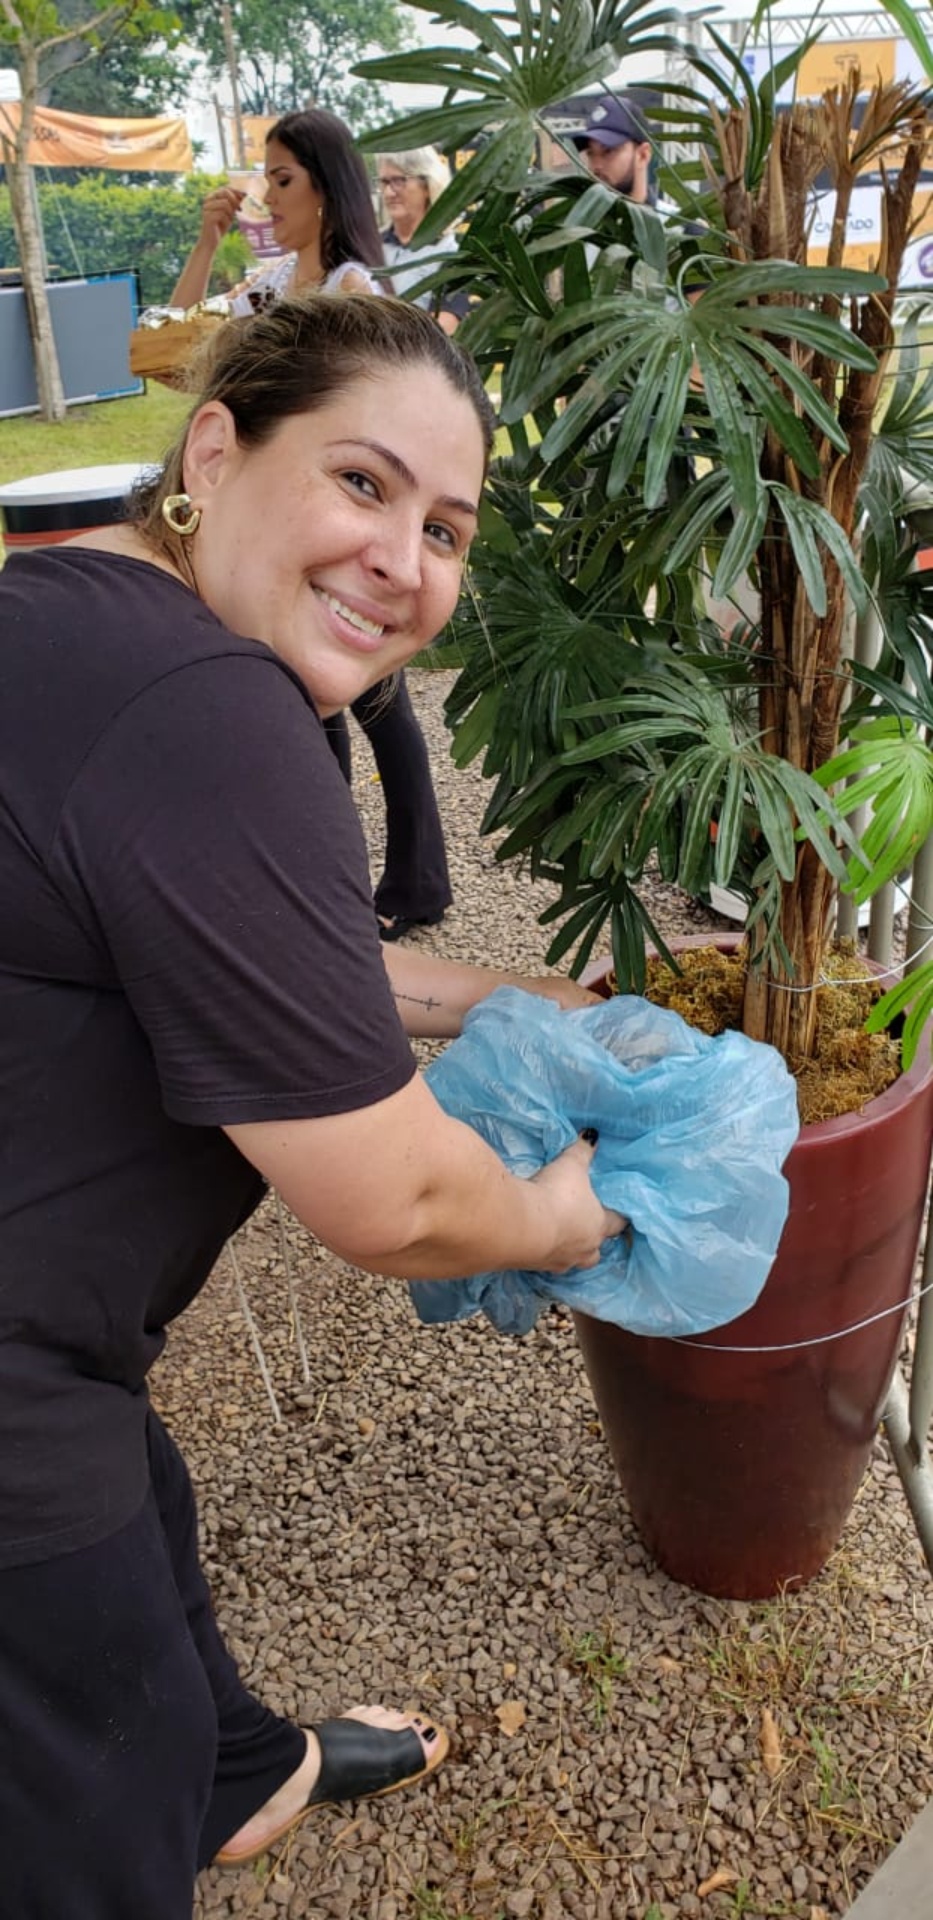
(693, 1133)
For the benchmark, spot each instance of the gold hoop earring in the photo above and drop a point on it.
(188, 517)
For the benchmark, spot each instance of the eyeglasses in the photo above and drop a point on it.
(394, 182)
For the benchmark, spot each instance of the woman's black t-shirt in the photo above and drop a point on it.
(187, 941)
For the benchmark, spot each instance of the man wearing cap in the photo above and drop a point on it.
(614, 145)
(616, 151)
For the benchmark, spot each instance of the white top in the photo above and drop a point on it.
(411, 265)
(72, 483)
(273, 282)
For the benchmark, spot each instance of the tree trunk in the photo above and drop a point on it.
(32, 260)
(802, 673)
(780, 1005)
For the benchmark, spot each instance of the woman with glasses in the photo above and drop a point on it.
(415, 889)
(410, 183)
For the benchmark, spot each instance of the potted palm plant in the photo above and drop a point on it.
(621, 724)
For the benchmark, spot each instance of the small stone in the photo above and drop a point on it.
(553, 1503)
(519, 1904)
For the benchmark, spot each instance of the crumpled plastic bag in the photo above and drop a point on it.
(693, 1133)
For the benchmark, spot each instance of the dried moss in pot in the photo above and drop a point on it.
(851, 1067)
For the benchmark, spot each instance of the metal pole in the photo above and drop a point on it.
(867, 637)
(230, 47)
(221, 132)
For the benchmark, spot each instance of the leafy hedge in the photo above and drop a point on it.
(102, 226)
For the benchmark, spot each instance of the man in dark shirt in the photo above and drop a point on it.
(616, 149)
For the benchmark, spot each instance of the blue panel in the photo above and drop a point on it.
(92, 319)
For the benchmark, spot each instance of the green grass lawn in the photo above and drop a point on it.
(106, 434)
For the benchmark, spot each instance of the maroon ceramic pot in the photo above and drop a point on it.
(740, 1468)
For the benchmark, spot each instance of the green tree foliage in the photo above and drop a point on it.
(122, 80)
(99, 226)
(619, 723)
(301, 55)
(37, 35)
(95, 56)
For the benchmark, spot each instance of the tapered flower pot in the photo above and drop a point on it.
(741, 1451)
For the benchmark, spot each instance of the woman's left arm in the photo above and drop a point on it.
(432, 995)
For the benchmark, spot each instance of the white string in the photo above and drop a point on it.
(850, 979)
(254, 1334)
(59, 208)
(292, 1296)
(860, 979)
(820, 1340)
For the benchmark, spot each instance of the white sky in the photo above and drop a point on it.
(201, 115)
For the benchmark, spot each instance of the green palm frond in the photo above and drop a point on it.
(497, 91)
(887, 769)
(911, 1001)
(686, 414)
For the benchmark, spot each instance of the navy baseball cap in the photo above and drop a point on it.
(608, 123)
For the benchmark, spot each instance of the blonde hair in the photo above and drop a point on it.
(421, 163)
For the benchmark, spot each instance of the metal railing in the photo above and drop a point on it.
(909, 1409)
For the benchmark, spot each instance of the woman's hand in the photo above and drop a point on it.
(567, 1183)
(217, 216)
(218, 213)
(434, 1202)
(568, 993)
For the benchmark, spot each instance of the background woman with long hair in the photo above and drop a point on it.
(319, 202)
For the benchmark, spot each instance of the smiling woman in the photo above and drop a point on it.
(363, 537)
(189, 963)
(365, 519)
(319, 200)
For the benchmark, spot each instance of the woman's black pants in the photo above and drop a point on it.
(129, 1748)
(415, 883)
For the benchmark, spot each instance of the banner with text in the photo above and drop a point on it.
(83, 140)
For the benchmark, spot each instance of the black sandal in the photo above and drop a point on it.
(357, 1761)
(397, 925)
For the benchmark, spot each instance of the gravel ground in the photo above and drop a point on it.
(435, 1520)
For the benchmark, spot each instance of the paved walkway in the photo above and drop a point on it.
(903, 1888)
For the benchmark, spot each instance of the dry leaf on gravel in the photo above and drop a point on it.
(770, 1739)
(723, 1877)
(511, 1715)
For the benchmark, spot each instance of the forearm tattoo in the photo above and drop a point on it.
(426, 1001)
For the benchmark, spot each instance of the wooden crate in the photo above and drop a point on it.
(164, 353)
